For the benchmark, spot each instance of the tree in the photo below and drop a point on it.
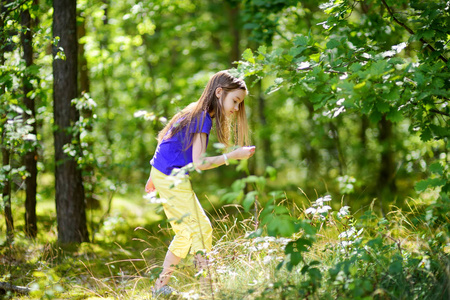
(70, 205)
(6, 153)
(358, 66)
(30, 159)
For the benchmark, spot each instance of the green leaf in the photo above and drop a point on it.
(394, 115)
(294, 259)
(299, 245)
(277, 195)
(437, 168)
(295, 51)
(428, 34)
(238, 185)
(419, 78)
(232, 197)
(333, 43)
(315, 57)
(440, 131)
(396, 267)
(248, 56)
(378, 67)
(430, 182)
(359, 85)
(426, 134)
(262, 49)
(33, 70)
(277, 220)
(309, 230)
(395, 61)
(375, 116)
(300, 40)
(382, 106)
(436, 182)
(355, 67)
(272, 172)
(421, 186)
(249, 200)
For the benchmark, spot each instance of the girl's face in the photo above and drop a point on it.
(231, 102)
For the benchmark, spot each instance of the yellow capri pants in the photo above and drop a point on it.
(186, 216)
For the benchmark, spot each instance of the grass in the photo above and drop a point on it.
(401, 256)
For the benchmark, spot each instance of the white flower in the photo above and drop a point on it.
(140, 113)
(399, 47)
(270, 239)
(263, 246)
(283, 241)
(323, 209)
(344, 211)
(151, 197)
(320, 201)
(303, 65)
(351, 233)
(348, 234)
(267, 259)
(258, 239)
(252, 249)
(190, 295)
(424, 264)
(310, 210)
(346, 243)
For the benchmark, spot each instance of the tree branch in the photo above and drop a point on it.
(6, 12)
(6, 286)
(439, 112)
(411, 31)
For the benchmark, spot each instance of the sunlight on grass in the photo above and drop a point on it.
(131, 242)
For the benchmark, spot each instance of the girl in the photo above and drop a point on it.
(183, 141)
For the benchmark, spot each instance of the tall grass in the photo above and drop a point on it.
(404, 255)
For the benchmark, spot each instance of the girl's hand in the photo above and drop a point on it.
(149, 187)
(242, 153)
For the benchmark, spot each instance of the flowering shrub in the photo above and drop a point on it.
(327, 253)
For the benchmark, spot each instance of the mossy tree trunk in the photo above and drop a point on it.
(70, 205)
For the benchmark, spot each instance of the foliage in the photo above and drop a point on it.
(328, 253)
(357, 66)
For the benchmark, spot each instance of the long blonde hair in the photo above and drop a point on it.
(209, 103)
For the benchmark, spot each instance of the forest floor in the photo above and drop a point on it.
(370, 257)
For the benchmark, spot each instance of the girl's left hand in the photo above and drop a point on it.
(242, 153)
(149, 187)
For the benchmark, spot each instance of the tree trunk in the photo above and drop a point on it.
(308, 151)
(386, 185)
(235, 33)
(70, 206)
(337, 151)
(363, 155)
(30, 159)
(6, 191)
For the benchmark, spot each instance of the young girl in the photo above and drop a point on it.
(183, 141)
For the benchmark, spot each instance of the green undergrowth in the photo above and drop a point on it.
(326, 254)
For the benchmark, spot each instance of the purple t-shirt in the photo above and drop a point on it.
(171, 153)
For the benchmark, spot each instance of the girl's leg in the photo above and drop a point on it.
(170, 262)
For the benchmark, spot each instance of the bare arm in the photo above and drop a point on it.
(210, 162)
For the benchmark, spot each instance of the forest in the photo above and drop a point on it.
(346, 197)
